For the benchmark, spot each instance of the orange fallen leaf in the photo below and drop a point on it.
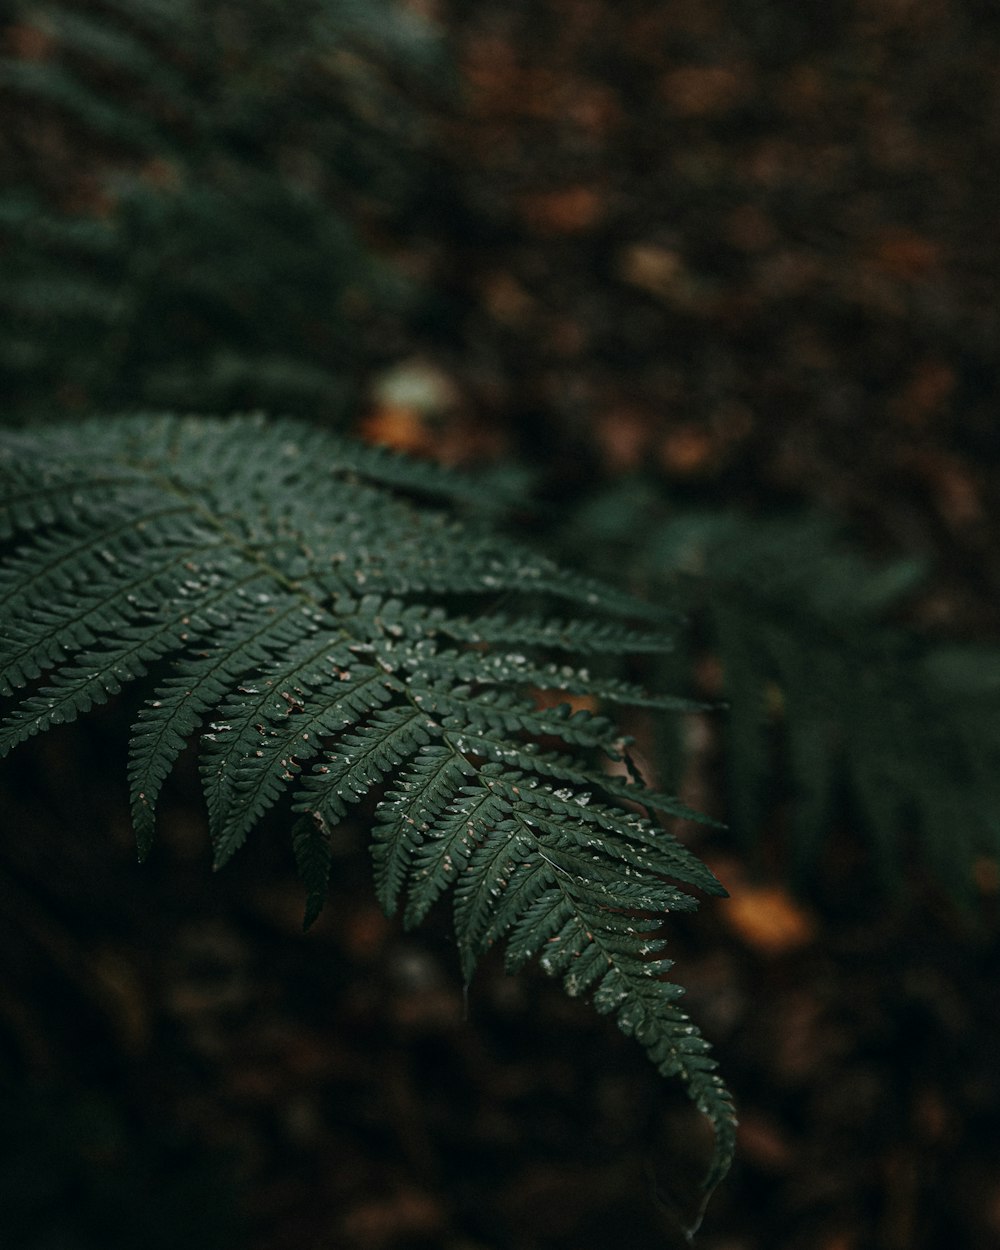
(569, 210)
(903, 253)
(768, 919)
(689, 449)
(365, 932)
(839, 1241)
(700, 90)
(507, 300)
(763, 1143)
(623, 434)
(394, 426)
(750, 229)
(123, 997)
(405, 1213)
(163, 174)
(926, 394)
(986, 874)
(650, 267)
(30, 43)
(951, 484)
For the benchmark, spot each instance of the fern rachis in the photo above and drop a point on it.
(329, 637)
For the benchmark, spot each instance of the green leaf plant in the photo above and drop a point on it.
(332, 622)
(838, 706)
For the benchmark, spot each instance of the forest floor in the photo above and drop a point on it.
(751, 248)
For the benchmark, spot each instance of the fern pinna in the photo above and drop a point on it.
(326, 633)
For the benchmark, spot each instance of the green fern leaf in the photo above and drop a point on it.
(444, 850)
(177, 710)
(315, 629)
(267, 731)
(425, 788)
(313, 857)
(581, 637)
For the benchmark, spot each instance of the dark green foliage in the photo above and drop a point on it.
(328, 637)
(826, 697)
(184, 191)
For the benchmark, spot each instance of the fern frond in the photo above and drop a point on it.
(313, 857)
(189, 139)
(421, 477)
(827, 698)
(445, 845)
(364, 758)
(584, 899)
(410, 813)
(582, 637)
(267, 731)
(239, 558)
(529, 758)
(507, 668)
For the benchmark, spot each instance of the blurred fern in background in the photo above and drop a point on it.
(836, 711)
(190, 195)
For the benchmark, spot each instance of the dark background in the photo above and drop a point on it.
(744, 253)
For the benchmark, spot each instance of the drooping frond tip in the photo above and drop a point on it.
(325, 635)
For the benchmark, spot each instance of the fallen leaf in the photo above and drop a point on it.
(405, 1213)
(768, 919)
(650, 267)
(763, 1143)
(688, 450)
(398, 427)
(569, 210)
(926, 394)
(986, 874)
(623, 436)
(905, 254)
(507, 300)
(700, 90)
(29, 43)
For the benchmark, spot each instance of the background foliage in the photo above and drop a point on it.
(187, 194)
